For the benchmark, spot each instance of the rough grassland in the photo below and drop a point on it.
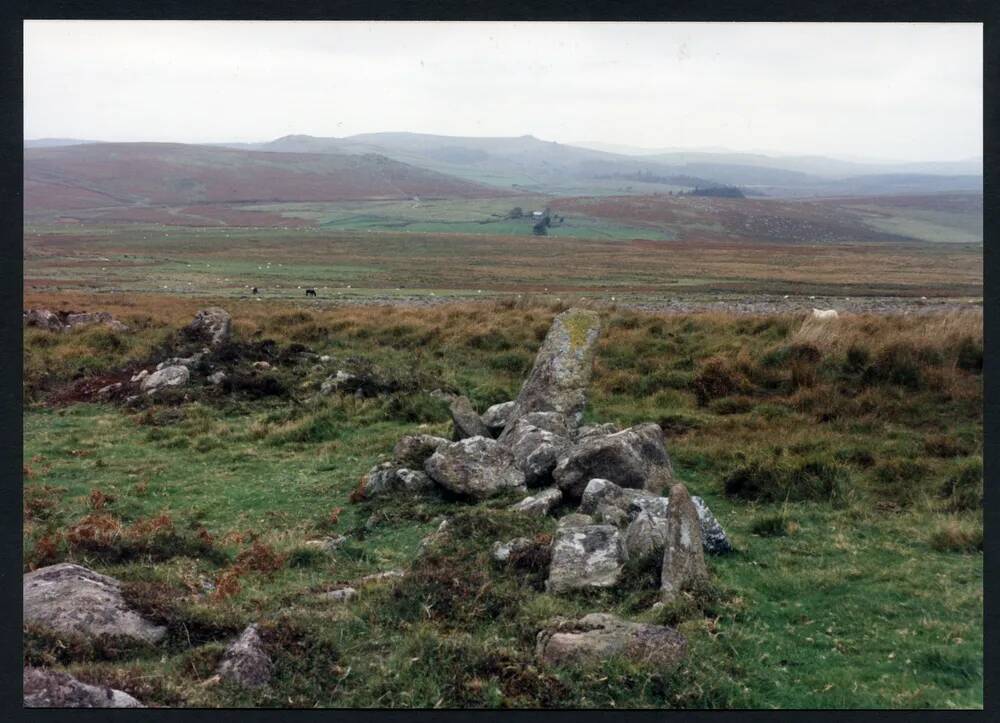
(844, 461)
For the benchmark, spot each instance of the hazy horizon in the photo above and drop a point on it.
(862, 92)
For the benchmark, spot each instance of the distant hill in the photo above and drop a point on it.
(144, 174)
(530, 164)
(55, 142)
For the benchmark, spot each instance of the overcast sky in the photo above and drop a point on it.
(880, 91)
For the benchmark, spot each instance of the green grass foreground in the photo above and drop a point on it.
(844, 461)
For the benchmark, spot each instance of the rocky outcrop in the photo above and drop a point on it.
(683, 556)
(539, 505)
(477, 467)
(596, 637)
(246, 662)
(495, 417)
(212, 326)
(45, 688)
(413, 450)
(561, 373)
(172, 376)
(635, 457)
(73, 599)
(466, 421)
(584, 557)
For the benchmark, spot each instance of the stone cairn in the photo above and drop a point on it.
(616, 478)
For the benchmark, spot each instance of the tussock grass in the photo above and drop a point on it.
(844, 461)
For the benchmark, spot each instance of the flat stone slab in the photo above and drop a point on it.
(596, 637)
(73, 599)
(586, 556)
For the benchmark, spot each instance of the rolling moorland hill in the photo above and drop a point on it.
(145, 174)
(545, 166)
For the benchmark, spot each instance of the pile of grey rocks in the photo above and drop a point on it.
(613, 489)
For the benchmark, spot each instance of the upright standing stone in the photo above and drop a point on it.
(559, 378)
(683, 556)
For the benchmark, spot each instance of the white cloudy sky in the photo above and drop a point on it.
(888, 91)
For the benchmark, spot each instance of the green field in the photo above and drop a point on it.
(857, 580)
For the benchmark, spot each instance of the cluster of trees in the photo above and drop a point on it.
(716, 192)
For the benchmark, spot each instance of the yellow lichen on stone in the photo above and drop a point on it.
(578, 323)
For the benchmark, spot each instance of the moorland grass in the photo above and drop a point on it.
(844, 461)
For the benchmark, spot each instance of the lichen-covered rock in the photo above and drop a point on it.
(73, 599)
(172, 376)
(646, 537)
(562, 369)
(217, 378)
(246, 662)
(45, 688)
(495, 417)
(596, 637)
(635, 457)
(74, 321)
(43, 319)
(212, 326)
(342, 594)
(583, 557)
(413, 450)
(611, 504)
(575, 519)
(713, 537)
(476, 467)
(536, 452)
(466, 421)
(683, 555)
(596, 430)
(541, 504)
(389, 478)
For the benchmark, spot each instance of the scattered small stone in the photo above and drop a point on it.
(261, 365)
(217, 378)
(328, 544)
(245, 661)
(45, 688)
(342, 594)
(173, 376)
(139, 376)
(376, 577)
(502, 551)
